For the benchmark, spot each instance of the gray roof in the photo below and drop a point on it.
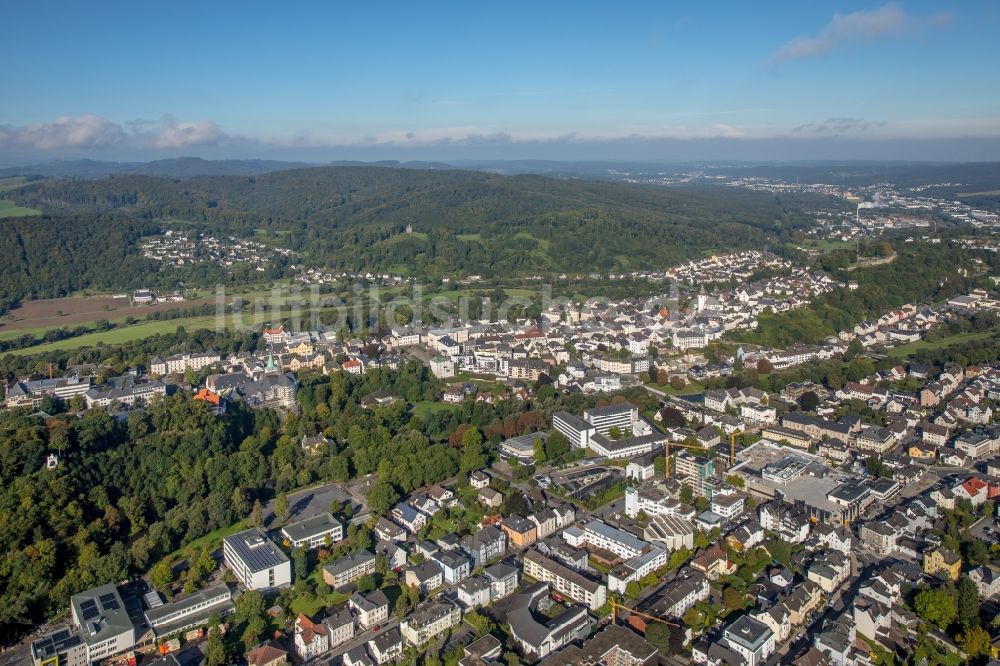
(101, 613)
(310, 527)
(371, 601)
(349, 562)
(748, 632)
(499, 571)
(387, 639)
(156, 615)
(254, 548)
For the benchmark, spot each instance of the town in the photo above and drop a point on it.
(727, 525)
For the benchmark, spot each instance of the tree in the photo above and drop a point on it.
(215, 649)
(249, 605)
(473, 456)
(808, 401)
(686, 494)
(282, 507)
(301, 559)
(556, 446)
(780, 550)
(677, 383)
(253, 631)
(658, 634)
(936, 606)
(257, 514)
(633, 590)
(365, 583)
(539, 447)
(732, 599)
(765, 367)
(161, 575)
(381, 497)
(967, 602)
(975, 641)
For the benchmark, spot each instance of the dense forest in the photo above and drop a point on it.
(355, 218)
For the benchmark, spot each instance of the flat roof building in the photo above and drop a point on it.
(256, 561)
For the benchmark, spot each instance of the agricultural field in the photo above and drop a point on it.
(38, 316)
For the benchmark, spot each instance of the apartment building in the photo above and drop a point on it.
(564, 580)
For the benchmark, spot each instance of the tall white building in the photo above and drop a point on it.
(256, 561)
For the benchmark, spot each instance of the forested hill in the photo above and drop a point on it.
(463, 222)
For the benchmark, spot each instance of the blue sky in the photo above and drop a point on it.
(458, 80)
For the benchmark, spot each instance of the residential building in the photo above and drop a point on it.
(503, 580)
(349, 568)
(426, 576)
(485, 545)
(520, 532)
(429, 619)
(942, 561)
(564, 580)
(537, 635)
(387, 647)
(311, 638)
(341, 626)
(371, 608)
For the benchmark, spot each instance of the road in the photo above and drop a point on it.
(833, 607)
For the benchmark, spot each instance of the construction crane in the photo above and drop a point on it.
(732, 446)
(615, 607)
(682, 445)
(732, 450)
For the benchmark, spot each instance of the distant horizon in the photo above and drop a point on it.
(909, 80)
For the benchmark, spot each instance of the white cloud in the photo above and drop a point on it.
(182, 135)
(861, 26)
(86, 131)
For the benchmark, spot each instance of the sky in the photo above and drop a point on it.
(501, 80)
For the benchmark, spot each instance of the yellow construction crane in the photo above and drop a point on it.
(683, 446)
(732, 450)
(615, 606)
(732, 446)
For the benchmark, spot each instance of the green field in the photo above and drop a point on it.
(423, 409)
(469, 237)
(11, 209)
(691, 388)
(912, 347)
(117, 336)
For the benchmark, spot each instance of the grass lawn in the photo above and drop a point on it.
(913, 347)
(425, 408)
(212, 540)
(691, 388)
(120, 335)
(11, 209)
(310, 605)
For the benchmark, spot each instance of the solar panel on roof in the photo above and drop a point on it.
(108, 602)
(89, 609)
